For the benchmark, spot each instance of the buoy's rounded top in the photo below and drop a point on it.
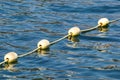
(103, 22)
(74, 31)
(43, 44)
(10, 57)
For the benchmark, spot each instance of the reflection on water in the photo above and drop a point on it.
(90, 56)
(103, 29)
(43, 52)
(10, 67)
(74, 41)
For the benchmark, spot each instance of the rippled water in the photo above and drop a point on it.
(24, 22)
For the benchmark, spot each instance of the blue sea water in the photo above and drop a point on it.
(25, 22)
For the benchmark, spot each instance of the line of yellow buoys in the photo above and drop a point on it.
(44, 44)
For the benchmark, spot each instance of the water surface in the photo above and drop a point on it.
(24, 22)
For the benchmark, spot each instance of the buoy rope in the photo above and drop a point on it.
(58, 40)
(22, 55)
(112, 21)
(2, 62)
(90, 29)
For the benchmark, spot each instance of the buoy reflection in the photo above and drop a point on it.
(74, 41)
(43, 52)
(10, 67)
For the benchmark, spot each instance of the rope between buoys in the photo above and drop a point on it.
(2, 62)
(90, 29)
(58, 40)
(22, 55)
(114, 20)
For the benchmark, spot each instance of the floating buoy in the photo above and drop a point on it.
(10, 57)
(43, 44)
(103, 24)
(74, 31)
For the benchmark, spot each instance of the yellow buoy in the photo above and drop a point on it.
(43, 44)
(103, 22)
(10, 57)
(74, 31)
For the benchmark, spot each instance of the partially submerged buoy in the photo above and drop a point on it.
(43, 44)
(74, 31)
(10, 57)
(103, 24)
